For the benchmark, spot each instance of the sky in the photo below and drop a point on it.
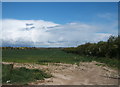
(57, 24)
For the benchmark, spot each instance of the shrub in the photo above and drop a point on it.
(109, 48)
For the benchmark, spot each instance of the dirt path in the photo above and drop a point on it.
(67, 74)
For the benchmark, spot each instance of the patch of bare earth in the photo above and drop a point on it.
(86, 73)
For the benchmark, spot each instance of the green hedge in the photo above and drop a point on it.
(109, 49)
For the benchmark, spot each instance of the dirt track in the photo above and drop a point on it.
(68, 74)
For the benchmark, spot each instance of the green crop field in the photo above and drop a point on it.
(39, 56)
(42, 56)
(53, 55)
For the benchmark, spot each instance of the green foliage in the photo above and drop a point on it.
(101, 49)
(105, 52)
(21, 75)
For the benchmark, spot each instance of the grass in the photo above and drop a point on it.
(38, 56)
(44, 56)
(100, 64)
(21, 75)
(114, 63)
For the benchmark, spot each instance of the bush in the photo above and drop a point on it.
(109, 48)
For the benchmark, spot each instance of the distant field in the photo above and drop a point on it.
(52, 55)
(39, 55)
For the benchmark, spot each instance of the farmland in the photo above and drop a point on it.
(38, 56)
(24, 59)
(51, 55)
(31, 65)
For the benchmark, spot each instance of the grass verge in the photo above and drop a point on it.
(21, 75)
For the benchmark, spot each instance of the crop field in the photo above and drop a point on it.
(42, 56)
(39, 56)
(52, 55)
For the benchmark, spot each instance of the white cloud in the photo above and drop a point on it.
(45, 33)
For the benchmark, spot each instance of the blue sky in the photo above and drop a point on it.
(58, 12)
(101, 17)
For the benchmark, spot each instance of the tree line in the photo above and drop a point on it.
(18, 47)
(109, 48)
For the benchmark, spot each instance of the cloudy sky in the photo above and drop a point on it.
(57, 24)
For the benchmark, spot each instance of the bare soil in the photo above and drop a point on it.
(85, 73)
